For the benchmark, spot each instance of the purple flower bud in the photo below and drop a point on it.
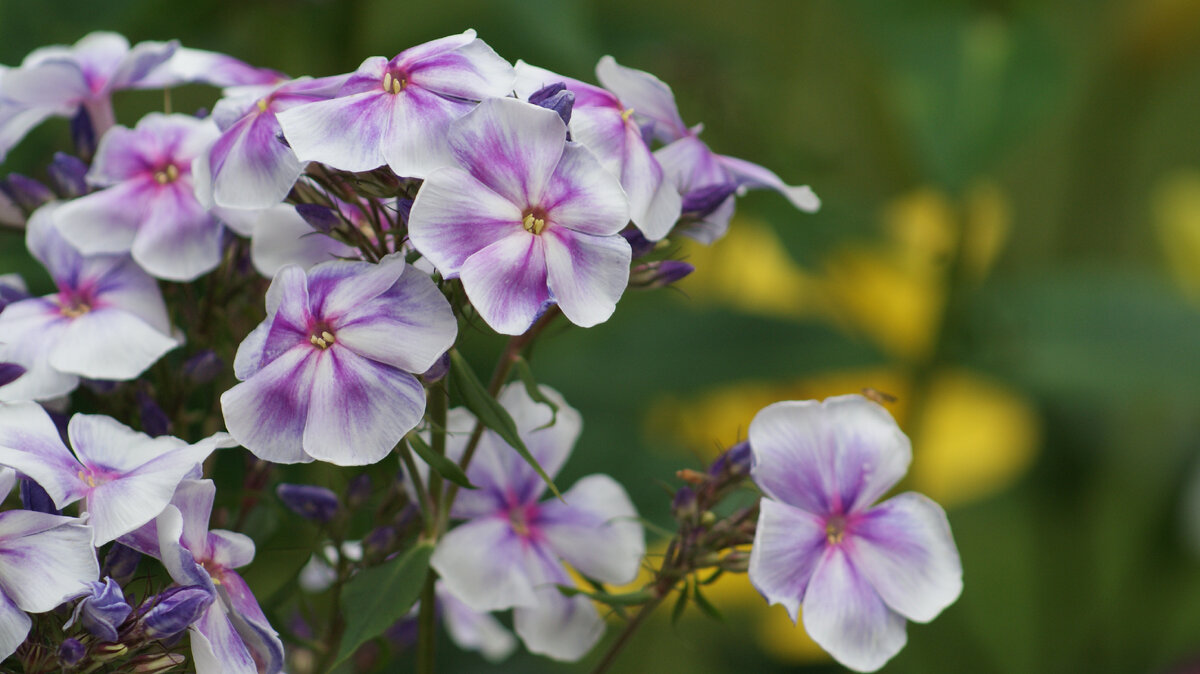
(703, 201)
(659, 274)
(34, 498)
(733, 461)
(379, 539)
(155, 421)
(26, 192)
(321, 218)
(203, 367)
(121, 562)
(358, 491)
(9, 372)
(83, 134)
(71, 651)
(403, 208)
(103, 611)
(640, 244)
(172, 611)
(68, 174)
(555, 97)
(683, 506)
(310, 502)
(437, 370)
(300, 627)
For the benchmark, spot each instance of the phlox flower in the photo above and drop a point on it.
(396, 111)
(125, 477)
(526, 219)
(696, 170)
(107, 320)
(510, 550)
(148, 206)
(859, 570)
(602, 123)
(231, 635)
(329, 374)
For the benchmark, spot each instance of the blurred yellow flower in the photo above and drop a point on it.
(1176, 205)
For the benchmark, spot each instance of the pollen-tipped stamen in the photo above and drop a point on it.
(533, 224)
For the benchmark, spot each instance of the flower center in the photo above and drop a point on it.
(394, 85)
(321, 337)
(262, 105)
(835, 529)
(74, 309)
(168, 174)
(533, 222)
(626, 114)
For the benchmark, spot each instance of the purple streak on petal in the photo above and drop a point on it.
(46, 559)
(455, 215)
(139, 61)
(903, 547)
(646, 94)
(250, 168)
(229, 549)
(68, 173)
(289, 318)
(217, 648)
(179, 561)
(595, 529)
(506, 282)
(179, 240)
(359, 408)
(846, 617)
(103, 610)
(336, 288)
(248, 619)
(174, 610)
(459, 66)
(584, 197)
(788, 543)
(205, 67)
(511, 146)
(14, 626)
(586, 274)
(347, 133)
(30, 444)
(488, 566)
(267, 412)
(690, 165)
(753, 176)
(414, 144)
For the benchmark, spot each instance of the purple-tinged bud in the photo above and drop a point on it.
(203, 367)
(310, 502)
(733, 461)
(26, 192)
(300, 627)
(9, 372)
(12, 289)
(437, 370)
(172, 611)
(156, 663)
(379, 540)
(556, 97)
(201, 113)
(83, 133)
(103, 611)
(380, 183)
(658, 274)
(638, 242)
(10, 214)
(683, 506)
(121, 562)
(403, 209)
(71, 651)
(155, 421)
(402, 634)
(34, 498)
(358, 491)
(703, 201)
(107, 652)
(68, 173)
(321, 218)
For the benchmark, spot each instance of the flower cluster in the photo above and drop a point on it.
(395, 210)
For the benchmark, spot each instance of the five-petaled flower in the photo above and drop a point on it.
(859, 570)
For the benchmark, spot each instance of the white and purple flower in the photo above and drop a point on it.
(107, 320)
(126, 477)
(329, 374)
(859, 570)
(511, 549)
(526, 220)
(148, 206)
(396, 111)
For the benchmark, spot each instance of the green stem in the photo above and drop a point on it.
(427, 627)
(337, 625)
(423, 500)
(623, 638)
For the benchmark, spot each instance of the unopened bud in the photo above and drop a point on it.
(26, 192)
(103, 611)
(659, 274)
(155, 663)
(155, 421)
(71, 651)
(380, 183)
(203, 367)
(107, 652)
(556, 97)
(34, 498)
(321, 218)
(83, 134)
(9, 372)
(172, 611)
(702, 201)
(437, 370)
(379, 540)
(683, 506)
(310, 502)
(403, 208)
(69, 175)
(638, 242)
(737, 561)
(708, 518)
(733, 461)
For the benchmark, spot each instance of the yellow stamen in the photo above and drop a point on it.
(88, 479)
(74, 310)
(532, 224)
(326, 336)
(835, 529)
(387, 82)
(262, 105)
(167, 175)
(318, 342)
(398, 84)
(172, 172)
(626, 114)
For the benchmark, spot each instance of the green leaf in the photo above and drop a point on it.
(444, 466)
(491, 413)
(535, 391)
(377, 597)
(706, 605)
(680, 604)
(625, 599)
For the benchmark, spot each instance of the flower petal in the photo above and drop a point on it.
(179, 240)
(14, 627)
(582, 196)
(347, 133)
(104, 442)
(31, 329)
(903, 547)
(336, 288)
(414, 143)
(108, 343)
(788, 543)
(833, 457)
(45, 559)
(248, 619)
(281, 237)
(267, 412)
(217, 648)
(106, 221)
(753, 176)
(455, 215)
(474, 630)
(846, 617)
(646, 94)
(511, 146)
(179, 561)
(587, 274)
(595, 529)
(30, 444)
(458, 66)
(250, 168)
(559, 627)
(484, 563)
(359, 409)
(506, 282)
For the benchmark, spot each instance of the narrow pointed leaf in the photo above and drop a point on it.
(706, 605)
(491, 413)
(680, 605)
(444, 467)
(381, 595)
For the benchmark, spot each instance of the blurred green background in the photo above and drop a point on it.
(1009, 243)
